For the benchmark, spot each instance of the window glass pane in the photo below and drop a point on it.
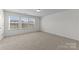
(30, 26)
(13, 18)
(24, 20)
(24, 26)
(31, 21)
(13, 22)
(13, 26)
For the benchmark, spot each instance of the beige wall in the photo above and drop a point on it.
(63, 23)
(1, 24)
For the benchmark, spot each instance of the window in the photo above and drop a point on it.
(24, 22)
(27, 23)
(13, 22)
(31, 23)
(20, 22)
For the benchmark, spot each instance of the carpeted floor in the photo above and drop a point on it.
(38, 41)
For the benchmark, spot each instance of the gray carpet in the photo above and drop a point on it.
(38, 41)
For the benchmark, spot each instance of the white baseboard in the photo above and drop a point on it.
(62, 36)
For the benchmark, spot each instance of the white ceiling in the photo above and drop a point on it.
(42, 13)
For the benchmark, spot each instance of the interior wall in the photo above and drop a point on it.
(1, 24)
(19, 31)
(63, 23)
